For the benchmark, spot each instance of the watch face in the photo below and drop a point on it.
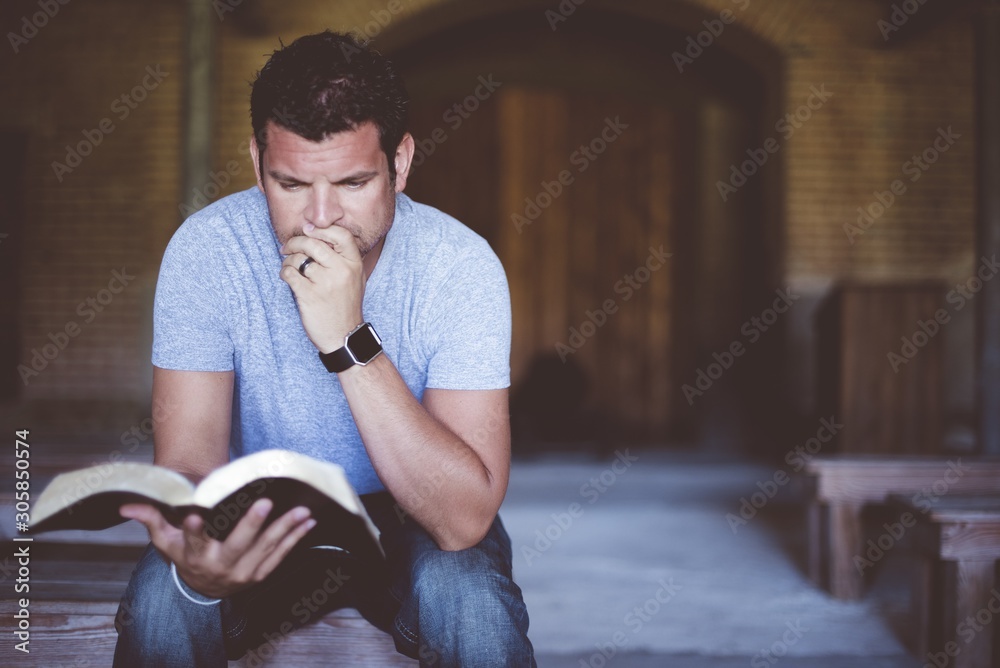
(365, 344)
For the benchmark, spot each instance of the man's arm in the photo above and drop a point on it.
(446, 462)
(440, 460)
(192, 437)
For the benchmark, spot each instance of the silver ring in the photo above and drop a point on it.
(305, 263)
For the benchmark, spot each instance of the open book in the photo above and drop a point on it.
(90, 498)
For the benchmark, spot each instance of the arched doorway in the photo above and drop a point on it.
(587, 152)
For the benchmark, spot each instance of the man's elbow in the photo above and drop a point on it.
(469, 534)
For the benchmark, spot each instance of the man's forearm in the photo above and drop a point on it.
(434, 475)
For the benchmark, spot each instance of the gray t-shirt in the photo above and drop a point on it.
(438, 298)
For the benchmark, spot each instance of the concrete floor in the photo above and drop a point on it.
(630, 561)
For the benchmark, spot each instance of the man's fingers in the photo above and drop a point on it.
(147, 515)
(290, 270)
(341, 239)
(294, 260)
(321, 243)
(321, 252)
(267, 540)
(168, 539)
(141, 512)
(197, 540)
(324, 257)
(247, 557)
(284, 546)
(281, 527)
(245, 534)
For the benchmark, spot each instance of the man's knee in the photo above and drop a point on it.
(152, 606)
(471, 612)
(468, 583)
(150, 581)
(442, 569)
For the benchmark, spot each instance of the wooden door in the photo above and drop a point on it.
(576, 194)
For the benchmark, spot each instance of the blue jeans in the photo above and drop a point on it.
(443, 608)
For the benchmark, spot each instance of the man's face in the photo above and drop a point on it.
(342, 180)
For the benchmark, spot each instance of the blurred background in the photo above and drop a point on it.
(722, 220)
(80, 202)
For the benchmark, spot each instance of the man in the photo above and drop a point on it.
(265, 318)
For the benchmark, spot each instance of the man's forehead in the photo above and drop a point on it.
(352, 149)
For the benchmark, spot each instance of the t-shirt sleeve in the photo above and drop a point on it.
(470, 325)
(190, 315)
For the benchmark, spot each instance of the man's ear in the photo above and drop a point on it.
(255, 157)
(403, 160)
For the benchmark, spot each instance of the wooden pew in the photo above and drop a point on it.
(842, 486)
(75, 588)
(78, 577)
(958, 605)
(73, 604)
(82, 633)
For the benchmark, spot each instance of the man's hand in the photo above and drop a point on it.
(218, 569)
(330, 293)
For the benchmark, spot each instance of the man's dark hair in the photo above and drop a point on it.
(327, 83)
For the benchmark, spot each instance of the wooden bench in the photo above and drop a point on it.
(82, 633)
(958, 605)
(75, 588)
(843, 486)
(78, 577)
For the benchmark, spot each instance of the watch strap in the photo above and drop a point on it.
(346, 356)
(338, 360)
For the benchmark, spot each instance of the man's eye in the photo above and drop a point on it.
(355, 185)
(291, 187)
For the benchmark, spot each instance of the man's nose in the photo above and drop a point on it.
(324, 207)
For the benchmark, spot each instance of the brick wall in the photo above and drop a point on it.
(889, 100)
(116, 210)
(97, 212)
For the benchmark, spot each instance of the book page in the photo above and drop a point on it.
(325, 477)
(153, 482)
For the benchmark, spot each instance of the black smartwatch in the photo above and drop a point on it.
(360, 347)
